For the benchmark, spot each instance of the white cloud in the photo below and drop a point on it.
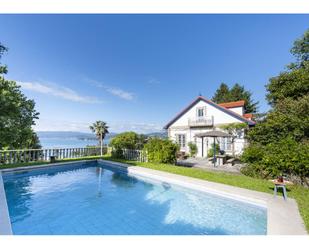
(112, 90)
(137, 127)
(58, 91)
(65, 125)
(153, 81)
(60, 125)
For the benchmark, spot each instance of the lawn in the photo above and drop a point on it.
(300, 194)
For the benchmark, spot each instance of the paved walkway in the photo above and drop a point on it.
(203, 163)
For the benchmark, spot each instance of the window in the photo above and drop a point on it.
(226, 143)
(181, 140)
(201, 112)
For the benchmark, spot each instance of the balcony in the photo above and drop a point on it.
(201, 122)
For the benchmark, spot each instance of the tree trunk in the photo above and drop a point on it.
(101, 143)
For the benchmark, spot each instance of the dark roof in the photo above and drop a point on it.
(234, 114)
(213, 134)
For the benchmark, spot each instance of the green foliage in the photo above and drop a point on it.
(161, 150)
(125, 140)
(193, 149)
(234, 129)
(283, 157)
(279, 142)
(117, 153)
(211, 150)
(3, 68)
(289, 117)
(289, 84)
(17, 114)
(301, 49)
(100, 129)
(237, 92)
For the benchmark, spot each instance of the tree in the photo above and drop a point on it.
(293, 83)
(235, 130)
(17, 114)
(301, 50)
(126, 140)
(289, 117)
(100, 129)
(237, 92)
(3, 69)
(222, 94)
(279, 142)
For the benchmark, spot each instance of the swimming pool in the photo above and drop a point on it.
(96, 198)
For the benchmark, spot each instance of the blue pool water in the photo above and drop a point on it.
(92, 198)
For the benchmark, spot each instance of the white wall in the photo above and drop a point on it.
(180, 126)
(219, 116)
(238, 110)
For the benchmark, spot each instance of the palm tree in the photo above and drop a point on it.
(100, 129)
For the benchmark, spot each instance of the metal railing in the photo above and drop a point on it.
(198, 122)
(34, 155)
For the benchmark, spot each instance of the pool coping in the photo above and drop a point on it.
(283, 217)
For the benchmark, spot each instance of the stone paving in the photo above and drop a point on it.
(204, 163)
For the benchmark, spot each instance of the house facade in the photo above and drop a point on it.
(203, 115)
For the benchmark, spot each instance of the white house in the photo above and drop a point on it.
(203, 115)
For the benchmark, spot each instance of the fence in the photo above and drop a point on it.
(33, 155)
(132, 155)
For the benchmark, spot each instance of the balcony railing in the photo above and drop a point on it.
(200, 122)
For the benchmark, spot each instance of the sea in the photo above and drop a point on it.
(49, 140)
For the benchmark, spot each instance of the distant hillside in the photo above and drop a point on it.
(162, 134)
(87, 136)
(71, 134)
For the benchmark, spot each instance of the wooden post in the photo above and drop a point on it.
(202, 146)
(214, 152)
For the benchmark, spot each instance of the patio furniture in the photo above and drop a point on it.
(221, 159)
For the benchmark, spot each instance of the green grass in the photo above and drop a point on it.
(300, 194)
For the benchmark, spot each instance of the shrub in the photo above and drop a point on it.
(161, 150)
(285, 157)
(117, 153)
(128, 140)
(211, 150)
(193, 149)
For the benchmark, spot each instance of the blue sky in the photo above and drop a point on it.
(137, 71)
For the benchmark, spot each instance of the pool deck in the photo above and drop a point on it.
(283, 217)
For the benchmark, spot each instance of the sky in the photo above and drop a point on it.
(136, 72)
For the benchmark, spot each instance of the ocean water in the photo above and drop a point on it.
(73, 142)
(97, 199)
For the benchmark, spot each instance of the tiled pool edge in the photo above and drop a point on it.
(5, 223)
(283, 218)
